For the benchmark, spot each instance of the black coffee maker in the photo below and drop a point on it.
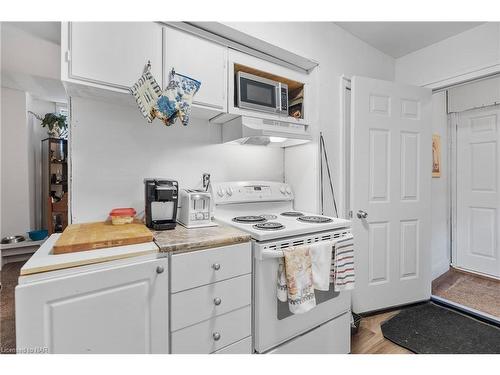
(161, 203)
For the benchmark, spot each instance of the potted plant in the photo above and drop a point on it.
(55, 123)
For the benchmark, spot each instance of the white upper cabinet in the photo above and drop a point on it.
(202, 60)
(112, 54)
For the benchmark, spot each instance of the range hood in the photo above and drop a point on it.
(258, 131)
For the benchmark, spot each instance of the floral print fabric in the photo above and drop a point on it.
(175, 101)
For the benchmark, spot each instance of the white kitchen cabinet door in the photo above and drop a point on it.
(114, 53)
(202, 60)
(121, 309)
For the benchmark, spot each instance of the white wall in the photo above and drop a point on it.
(338, 53)
(114, 149)
(21, 161)
(15, 189)
(440, 214)
(30, 63)
(472, 53)
(35, 135)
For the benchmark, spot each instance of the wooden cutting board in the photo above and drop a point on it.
(91, 236)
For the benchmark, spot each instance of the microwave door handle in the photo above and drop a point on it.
(278, 98)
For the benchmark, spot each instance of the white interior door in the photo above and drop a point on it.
(478, 172)
(391, 147)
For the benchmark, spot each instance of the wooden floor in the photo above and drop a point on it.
(474, 291)
(369, 339)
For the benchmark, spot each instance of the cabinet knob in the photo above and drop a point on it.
(216, 336)
(160, 269)
(216, 266)
(217, 301)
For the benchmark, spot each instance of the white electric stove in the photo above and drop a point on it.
(265, 210)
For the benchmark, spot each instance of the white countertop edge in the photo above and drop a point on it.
(43, 260)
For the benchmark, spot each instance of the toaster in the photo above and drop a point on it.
(195, 208)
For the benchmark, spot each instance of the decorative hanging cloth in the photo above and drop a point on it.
(146, 92)
(175, 101)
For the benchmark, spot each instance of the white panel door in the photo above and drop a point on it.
(478, 201)
(114, 53)
(122, 310)
(390, 193)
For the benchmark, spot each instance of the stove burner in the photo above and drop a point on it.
(269, 217)
(270, 225)
(250, 219)
(314, 219)
(292, 213)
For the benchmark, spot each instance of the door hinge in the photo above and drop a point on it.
(68, 56)
(350, 214)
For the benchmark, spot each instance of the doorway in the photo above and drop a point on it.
(471, 280)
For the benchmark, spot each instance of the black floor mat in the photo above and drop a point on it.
(432, 329)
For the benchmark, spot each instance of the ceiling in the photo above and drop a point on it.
(397, 39)
(50, 31)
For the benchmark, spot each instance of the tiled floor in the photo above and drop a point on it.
(477, 292)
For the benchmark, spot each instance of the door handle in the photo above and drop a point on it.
(362, 214)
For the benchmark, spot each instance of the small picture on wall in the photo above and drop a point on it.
(436, 155)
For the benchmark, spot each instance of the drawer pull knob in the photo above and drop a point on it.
(216, 266)
(217, 301)
(160, 269)
(216, 336)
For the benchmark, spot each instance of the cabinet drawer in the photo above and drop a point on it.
(195, 305)
(333, 337)
(241, 347)
(203, 267)
(201, 338)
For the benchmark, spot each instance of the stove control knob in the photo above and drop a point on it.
(283, 189)
(229, 191)
(288, 190)
(220, 192)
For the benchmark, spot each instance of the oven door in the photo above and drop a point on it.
(257, 93)
(274, 324)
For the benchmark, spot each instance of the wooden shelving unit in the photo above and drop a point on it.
(55, 184)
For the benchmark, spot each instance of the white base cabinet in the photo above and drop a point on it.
(211, 301)
(116, 309)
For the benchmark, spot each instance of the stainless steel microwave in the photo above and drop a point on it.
(261, 94)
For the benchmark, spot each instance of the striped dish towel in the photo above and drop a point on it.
(342, 271)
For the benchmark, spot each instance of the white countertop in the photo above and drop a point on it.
(43, 260)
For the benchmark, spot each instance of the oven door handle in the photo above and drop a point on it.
(272, 254)
(276, 254)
